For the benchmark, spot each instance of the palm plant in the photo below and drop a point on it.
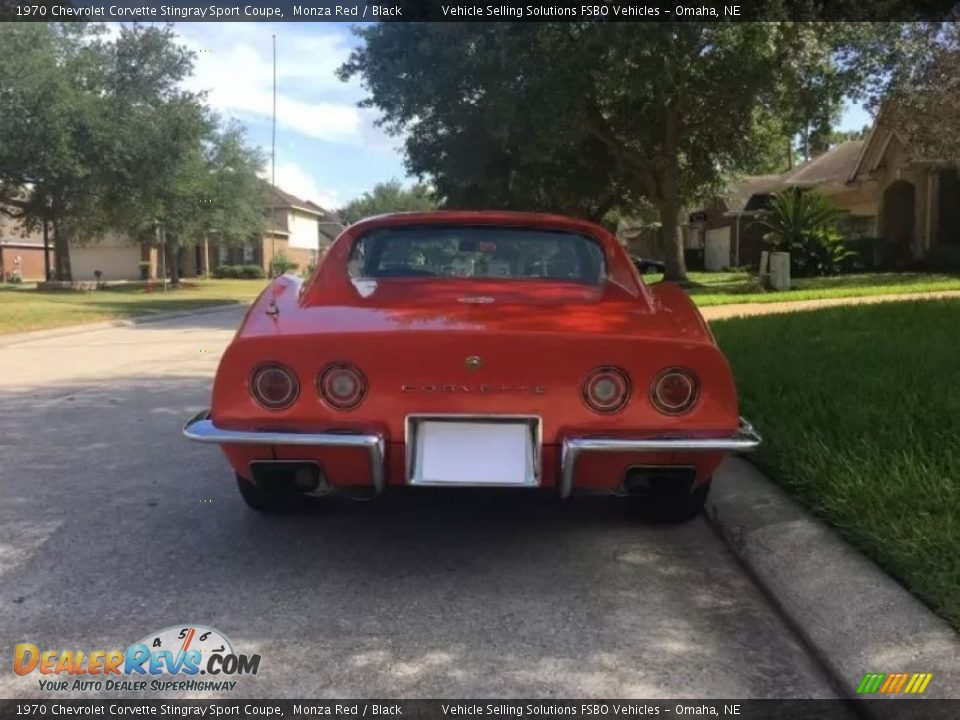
(804, 223)
(795, 215)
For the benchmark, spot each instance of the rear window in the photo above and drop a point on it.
(477, 252)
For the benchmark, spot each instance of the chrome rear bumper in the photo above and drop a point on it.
(201, 429)
(743, 440)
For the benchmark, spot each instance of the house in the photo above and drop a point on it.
(21, 252)
(114, 257)
(723, 233)
(725, 227)
(911, 203)
(297, 229)
(916, 201)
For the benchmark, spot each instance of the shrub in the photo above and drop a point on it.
(944, 258)
(234, 272)
(250, 272)
(144, 270)
(230, 272)
(225, 272)
(282, 264)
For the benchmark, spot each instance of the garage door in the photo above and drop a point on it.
(716, 255)
(115, 262)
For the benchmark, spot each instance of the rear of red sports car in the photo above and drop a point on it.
(474, 349)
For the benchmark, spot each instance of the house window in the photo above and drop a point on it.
(248, 254)
(223, 255)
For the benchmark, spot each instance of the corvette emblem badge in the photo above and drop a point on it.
(474, 362)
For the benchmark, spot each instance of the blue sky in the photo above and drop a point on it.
(328, 149)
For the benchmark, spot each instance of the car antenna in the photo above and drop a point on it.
(272, 310)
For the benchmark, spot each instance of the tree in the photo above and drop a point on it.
(97, 135)
(842, 136)
(588, 117)
(78, 112)
(923, 102)
(386, 198)
(52, 129)
(156, 171)
(203, 181)
(234, 194)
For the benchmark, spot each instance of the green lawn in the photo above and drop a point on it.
(725, 288)
(24, 308)
(860, 412)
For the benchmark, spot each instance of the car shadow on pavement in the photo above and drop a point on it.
(113, 525)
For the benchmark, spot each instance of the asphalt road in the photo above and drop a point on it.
(113, 526)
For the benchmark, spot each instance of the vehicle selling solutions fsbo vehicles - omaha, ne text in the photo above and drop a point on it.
(474, 349)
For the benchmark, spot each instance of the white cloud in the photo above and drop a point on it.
(235, 66)
(295, 180)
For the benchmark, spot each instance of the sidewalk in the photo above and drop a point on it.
(721, 312)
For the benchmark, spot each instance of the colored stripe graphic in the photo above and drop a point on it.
(914, 683)
(894, 683)
(870, 683)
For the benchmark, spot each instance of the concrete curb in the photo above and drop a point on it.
(32, 335)
(855, 617)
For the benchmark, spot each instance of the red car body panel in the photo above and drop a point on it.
(538, 340)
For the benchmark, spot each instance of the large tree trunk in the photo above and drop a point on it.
(672, 239)
(61, 253)
(173, 262)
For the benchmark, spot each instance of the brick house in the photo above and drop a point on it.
(21, 251)
(298, 229)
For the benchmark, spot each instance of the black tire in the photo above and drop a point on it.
(672, 505)
(263, 499)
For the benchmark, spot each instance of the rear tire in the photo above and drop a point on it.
(269, 500)
(673, 504)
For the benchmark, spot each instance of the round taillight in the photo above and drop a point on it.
(674, 391)
(342, 386)
(274, 386)
(606, 390)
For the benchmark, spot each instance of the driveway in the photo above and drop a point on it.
(113, 526)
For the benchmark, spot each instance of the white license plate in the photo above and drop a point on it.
(474, 453)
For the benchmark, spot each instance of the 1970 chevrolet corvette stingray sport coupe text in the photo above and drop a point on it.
(474, 349)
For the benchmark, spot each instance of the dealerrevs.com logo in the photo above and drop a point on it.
(171, 660)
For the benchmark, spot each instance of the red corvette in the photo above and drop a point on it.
(474, 349)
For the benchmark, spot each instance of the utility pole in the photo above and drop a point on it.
(46, 252)
(273, 165)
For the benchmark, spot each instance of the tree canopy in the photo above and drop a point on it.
(97, 135)
(584, 118)
(924, 101)
(388, 197)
